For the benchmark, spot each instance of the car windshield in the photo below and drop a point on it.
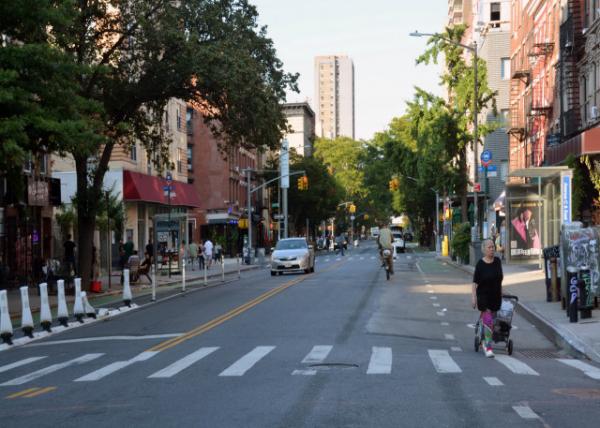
(397, 235)
(293, 244)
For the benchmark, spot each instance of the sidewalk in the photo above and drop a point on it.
(528, 283)
(140, 288)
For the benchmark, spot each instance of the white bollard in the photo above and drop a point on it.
(63, 311)
(45, 314)
(205, 277)
(126, 288)
(78, 311)
(26, 318)
(183, 275)
(87, 308)
(239, 268)
(6, 330)
(153, 285)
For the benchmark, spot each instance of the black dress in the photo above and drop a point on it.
(488, 277)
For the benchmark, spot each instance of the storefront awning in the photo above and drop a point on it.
(539, 171)
(221, 218)
(147, 188)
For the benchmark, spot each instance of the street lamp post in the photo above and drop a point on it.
(472, 48)
(437, 213)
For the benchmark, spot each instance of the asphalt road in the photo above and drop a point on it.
(341, 347)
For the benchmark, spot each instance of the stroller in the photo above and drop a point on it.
(502, 324)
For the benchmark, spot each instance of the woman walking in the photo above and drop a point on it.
(486, 292)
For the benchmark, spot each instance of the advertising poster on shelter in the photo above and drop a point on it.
(525, 239)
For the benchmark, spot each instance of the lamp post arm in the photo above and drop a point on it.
(275, 179)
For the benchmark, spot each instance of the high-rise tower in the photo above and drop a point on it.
(334, 96)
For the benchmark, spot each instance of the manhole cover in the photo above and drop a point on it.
(538, 353)
(585, 394)
(330, 366)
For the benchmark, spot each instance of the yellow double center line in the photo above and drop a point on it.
(32, 392)
(233, 313)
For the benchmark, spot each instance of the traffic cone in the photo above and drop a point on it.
(63, 311)
(6, 330)
(45, 314)
(126, 288)
(78, 304)
(89, 309)
(26, 318)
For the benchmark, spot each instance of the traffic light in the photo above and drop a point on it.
(304, 182)
(366, 216)
(352, 208)
(394, 184)
(300, 183)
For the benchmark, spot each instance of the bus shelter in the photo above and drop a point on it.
(535, 210)
(170, 231)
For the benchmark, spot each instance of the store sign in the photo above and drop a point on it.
(37, 193)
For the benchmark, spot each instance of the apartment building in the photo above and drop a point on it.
(334, 96)
(218, 177)
(491, 22)
(534, 60)
(301, 119)
(132, 175)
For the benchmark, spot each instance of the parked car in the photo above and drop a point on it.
(398, 243)
(292, 255)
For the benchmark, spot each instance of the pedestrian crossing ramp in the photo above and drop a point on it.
(381, 361)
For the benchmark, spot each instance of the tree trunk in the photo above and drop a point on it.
(463, 188)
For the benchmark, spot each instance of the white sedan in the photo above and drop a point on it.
(292, 255)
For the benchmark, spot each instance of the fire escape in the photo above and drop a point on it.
(572, 49)
(520, 80)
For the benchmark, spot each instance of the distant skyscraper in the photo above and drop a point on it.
(334, 96)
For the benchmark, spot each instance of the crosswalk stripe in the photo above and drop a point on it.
(241, 366)
(381, 361)
(19, 363)
(51, 369)
(443, 362)
(525, 412)
(516, 366)
(493, 381)
(448, 336)
(317, 354)
(587, 369)
(183, 363)
(372, 257)
(113, 367)
(326, 260)
(362, 258)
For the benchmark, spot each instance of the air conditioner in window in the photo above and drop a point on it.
(594, 113)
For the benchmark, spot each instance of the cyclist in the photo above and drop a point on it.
(384, 241)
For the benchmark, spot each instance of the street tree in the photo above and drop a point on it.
(123, 60)
(458, 79)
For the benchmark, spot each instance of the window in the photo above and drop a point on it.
(503, 170)
(504, 117)
(495, 11)
(179, 162)
(505, 68)
(133, 153)
(189, 114)
(178, 119)
(189, 158)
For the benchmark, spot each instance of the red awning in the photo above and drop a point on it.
(147, 188)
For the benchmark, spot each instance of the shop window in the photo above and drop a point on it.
(495, 11)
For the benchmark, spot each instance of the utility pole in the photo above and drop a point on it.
(475, 139)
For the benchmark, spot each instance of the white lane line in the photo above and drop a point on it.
(113, 367)
(372, 257)
(326, 260)
(317, 354)
(449, 336)
(362, 258)
(493, 381)
(101, 338)
(436, 305)
(19, 363)
(456, 348)
(441, 314)
(184, 363)
(51, 369)
(587, 369)
(445, 324)
(381, 361)
(241, 366)
(338, 259)
(443, 362)
(516, 366)
(304, 372)
(430, 291)
(433, 297)
(409, 257)
(525, 412)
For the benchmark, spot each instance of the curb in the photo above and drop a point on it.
(552, 332)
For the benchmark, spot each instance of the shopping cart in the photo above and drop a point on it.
(502, 324)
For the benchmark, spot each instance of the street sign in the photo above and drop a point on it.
(279, 216)
(275, 205)
(486, 157)
(169, 178)
(167, 188)
(477, 187)
(352, 217)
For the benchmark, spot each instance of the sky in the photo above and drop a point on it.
(374, 33)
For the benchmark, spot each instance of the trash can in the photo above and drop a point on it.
(586, 298)
(550, 253)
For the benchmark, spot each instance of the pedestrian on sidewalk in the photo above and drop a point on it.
(486, 293)
(201, 255)
(218, 253)
(193, 253)
(208, 253)
(69, 247)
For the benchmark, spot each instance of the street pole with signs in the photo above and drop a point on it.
(167, 188)
(284, 164)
